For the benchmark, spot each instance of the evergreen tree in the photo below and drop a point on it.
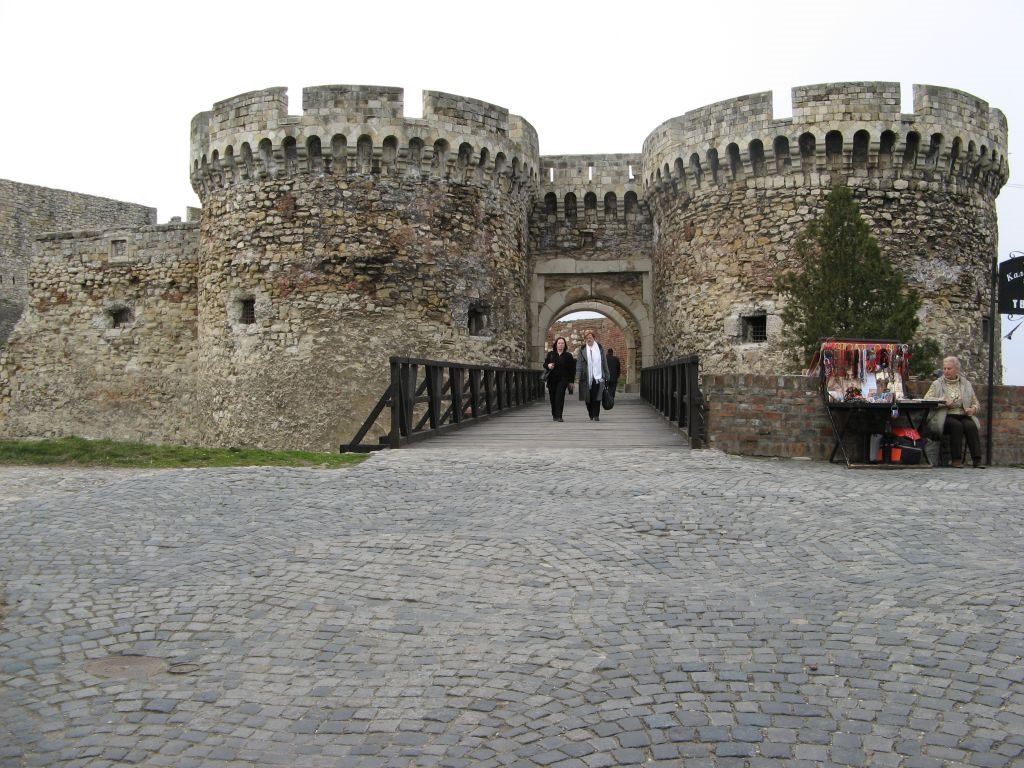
(844, 287)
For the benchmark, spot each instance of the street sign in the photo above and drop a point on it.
(1011, 285)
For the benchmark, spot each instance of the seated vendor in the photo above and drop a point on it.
(957, 416)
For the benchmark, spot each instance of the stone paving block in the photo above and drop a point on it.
(427, 608)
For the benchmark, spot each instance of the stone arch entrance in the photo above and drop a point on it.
(631, 314)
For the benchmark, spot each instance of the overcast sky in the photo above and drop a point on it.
(99, 96)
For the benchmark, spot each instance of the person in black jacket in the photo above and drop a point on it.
(613, 370)
(561, 368)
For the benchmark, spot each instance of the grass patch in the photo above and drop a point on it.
(78, 452)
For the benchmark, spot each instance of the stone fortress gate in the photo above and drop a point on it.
(331, 240)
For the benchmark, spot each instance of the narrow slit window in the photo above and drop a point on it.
(479, 320)
(247, 311)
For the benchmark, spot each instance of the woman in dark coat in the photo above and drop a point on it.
(561, 367)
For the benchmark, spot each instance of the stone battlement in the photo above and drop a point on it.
(851, 129)
(360, 129)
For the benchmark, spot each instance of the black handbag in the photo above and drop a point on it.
(544, 376)
(607, 399)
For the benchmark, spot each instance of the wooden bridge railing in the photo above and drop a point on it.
(673, 388)
(426, 397)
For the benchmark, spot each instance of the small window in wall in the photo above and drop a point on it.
(755, 329)
(247, 311)
(479, 320)
(119, 249)
(986, 328)
(120, 316)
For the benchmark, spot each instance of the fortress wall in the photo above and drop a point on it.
(106, 345)
(359, 129)
(26, 211)
(333, 239)
(729, 191)
(341, 274)
(718, 257)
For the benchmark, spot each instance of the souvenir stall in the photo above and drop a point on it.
(863, 390)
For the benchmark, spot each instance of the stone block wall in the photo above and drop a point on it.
(730, 189)
(27, 211)
(106, 347)
(342, 272)
(784, 417)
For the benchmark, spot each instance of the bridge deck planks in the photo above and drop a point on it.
(630, 424)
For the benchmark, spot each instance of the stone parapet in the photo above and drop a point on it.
(360, 129)
(952, 140)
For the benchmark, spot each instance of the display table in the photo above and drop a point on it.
(864, 419)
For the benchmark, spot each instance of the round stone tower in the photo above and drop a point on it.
(730, 188)
(335, 239)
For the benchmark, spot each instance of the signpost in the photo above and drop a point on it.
(1009, 285)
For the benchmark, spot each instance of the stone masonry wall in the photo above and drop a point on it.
(27, 211)
(735, 242)
(106, 347)
(730, 188)
(343, 273)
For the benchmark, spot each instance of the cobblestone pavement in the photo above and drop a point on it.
(522, 608)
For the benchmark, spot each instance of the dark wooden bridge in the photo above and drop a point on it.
(508, 407)
(632, 423)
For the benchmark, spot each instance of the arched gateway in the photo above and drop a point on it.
(620, 290)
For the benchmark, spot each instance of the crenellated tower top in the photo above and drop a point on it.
(850, 130)
(360, 129)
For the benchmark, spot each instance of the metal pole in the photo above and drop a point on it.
(992, 318)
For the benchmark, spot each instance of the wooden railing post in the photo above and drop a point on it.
(673, 389)
(446, 402)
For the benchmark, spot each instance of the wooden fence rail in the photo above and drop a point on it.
(673, 388)
(428, 396)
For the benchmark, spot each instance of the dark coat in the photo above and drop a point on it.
(613, 367)
(583, 373)
(564, 370)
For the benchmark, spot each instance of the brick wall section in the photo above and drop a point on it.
(783, 416)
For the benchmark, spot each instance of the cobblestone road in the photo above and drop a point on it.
(523, 608)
